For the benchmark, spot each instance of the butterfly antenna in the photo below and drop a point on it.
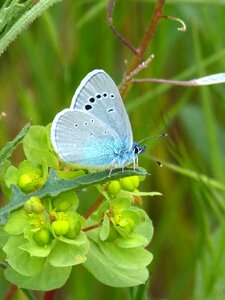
(153, 137)
(153, 158)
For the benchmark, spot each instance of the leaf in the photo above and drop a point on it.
(210, 79)
(19, 259)
(11, 146)
(104, 229)
(110, 272)
(133, 258)
(36, 250)
(9, 13)
(37, 147)
(65, 255)
(16, 222)
(49, 278)
(55, 186)
(27, 15)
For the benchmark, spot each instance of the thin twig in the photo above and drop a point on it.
(91, 227)
(110, 9)
(183, 28)
(94, 206)
(140, 67)
(156, 16)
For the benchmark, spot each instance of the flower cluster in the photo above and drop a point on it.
(48, 235)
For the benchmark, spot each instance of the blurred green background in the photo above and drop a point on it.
(39, 73)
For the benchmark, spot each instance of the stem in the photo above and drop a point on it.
(91, 227)
(22, 23)
(49, 295)
(110, 10)
(156, 16)
(12, 290)
(94, 206)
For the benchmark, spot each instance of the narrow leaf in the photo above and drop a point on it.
(55, 186)
(11, 146)
(211, 79)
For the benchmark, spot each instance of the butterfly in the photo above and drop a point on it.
(95, 132)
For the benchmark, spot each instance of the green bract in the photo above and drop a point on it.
(45, 234)
(28, 176)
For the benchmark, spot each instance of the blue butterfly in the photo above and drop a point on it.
(95, 132)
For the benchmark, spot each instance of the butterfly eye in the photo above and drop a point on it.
(136, 150)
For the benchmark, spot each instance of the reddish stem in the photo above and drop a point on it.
(156, 16)
(94, 206)
(91, 227)
(110, 8)
(12, 290)
(49, 295)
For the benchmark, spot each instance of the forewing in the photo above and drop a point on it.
(98, 95)
(84, 140)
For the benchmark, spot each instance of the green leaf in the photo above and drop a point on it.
(104, 229)
(37, 147)
(132, 241)
(26, 17)
(133, 258)
(55, 186)
(121, 203)
(3, 169)
(65, 255)
(11, 146)
(110, 272)
(36, 250)
(16, 222)
(9, 13)
(11, 176)
(3, 237)
(122, 232)
(49, 278)
(20, 260)
(142, 234)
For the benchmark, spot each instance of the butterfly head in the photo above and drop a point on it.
(138, 149)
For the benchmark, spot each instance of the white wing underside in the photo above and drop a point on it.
(96, 127)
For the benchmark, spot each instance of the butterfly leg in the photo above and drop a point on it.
(112, 167)
(135, 160)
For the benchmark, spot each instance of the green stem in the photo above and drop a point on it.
(199, 177)
(24, 21)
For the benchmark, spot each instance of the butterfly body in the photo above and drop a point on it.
(95, 131)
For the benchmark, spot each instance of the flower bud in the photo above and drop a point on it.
(61, 227)
(42, 237)
(114, 187)
(73, 232)
(127, 184)
(24, 182)
(33, 205)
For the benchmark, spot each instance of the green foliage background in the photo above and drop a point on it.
(39, 73)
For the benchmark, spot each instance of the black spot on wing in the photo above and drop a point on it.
(88, 107)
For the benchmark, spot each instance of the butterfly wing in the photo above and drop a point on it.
(84, 140)
(98, 95)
